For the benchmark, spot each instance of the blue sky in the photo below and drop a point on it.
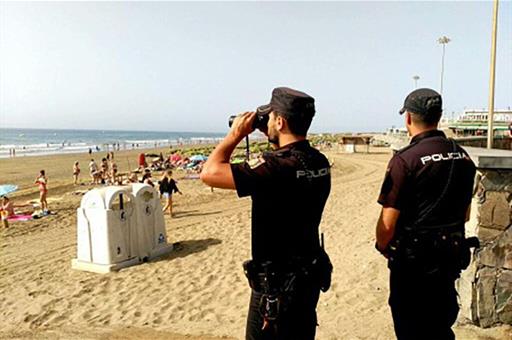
(187, 66)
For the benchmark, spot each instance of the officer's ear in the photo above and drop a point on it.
(408, 118)
(280, 122)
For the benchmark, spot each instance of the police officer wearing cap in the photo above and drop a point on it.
(288, 188)
(425, 201)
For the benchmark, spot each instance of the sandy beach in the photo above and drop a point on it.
(199, 291)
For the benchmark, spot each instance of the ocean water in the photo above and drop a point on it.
(33, 142)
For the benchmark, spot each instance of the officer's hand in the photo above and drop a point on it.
(242, 125)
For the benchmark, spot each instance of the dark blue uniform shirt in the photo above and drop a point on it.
(418, 174)
(289, 188)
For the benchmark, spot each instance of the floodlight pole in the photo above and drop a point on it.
(416, 78)
(443, 41)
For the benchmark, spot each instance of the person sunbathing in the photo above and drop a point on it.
(7, 210)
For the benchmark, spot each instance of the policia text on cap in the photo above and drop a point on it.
(288, 188)
(425, 200)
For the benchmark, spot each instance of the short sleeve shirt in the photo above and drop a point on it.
(394, 186)
(288, 188)
(431, 180)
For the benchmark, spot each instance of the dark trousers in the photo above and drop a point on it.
(297, 322)
(423, 306)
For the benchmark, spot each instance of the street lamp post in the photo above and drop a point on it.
(416, 78)
(490, 115)
(443, 41)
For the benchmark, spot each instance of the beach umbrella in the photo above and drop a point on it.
(198, 158)
(7, 189)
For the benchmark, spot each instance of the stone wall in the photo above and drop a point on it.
(500, 142)
(485, 288)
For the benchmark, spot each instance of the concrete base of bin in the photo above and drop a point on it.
(107, 268)
(102, 268)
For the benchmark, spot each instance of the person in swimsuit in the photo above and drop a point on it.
(76, 172)
(93, 171)
(42, 182)
(6, 210)
(105, 172)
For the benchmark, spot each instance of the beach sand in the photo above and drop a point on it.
(199, 291)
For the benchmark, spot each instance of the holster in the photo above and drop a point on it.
(267, 277)
(276, 284)
(432, 250)
(275, 275)
(322, 270)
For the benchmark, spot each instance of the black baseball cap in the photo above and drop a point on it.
(289, 102)
(423, 101)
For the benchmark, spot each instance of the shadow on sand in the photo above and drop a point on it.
(188, 247)
(188, 213)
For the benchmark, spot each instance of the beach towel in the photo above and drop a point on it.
(15, 218)
(41, 214)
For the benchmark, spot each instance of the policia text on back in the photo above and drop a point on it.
(425, 198)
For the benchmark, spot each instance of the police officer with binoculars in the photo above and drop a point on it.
(288, 187)
(425, 200)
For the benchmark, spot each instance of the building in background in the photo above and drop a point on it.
(474, 123)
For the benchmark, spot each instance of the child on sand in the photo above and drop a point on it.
(76, 172)
(167, 188)
(42, 182)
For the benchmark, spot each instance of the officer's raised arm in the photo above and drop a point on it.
(217, 170)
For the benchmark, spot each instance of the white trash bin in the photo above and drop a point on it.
(107, 237)
(152, 236)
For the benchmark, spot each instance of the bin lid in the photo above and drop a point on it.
(102, 198)
(144, 191)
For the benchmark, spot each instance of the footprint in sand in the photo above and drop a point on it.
(36, 293)
(29, 318)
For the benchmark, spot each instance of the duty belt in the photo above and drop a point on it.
(432, 249)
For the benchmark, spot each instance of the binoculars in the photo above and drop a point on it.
(260, 122)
